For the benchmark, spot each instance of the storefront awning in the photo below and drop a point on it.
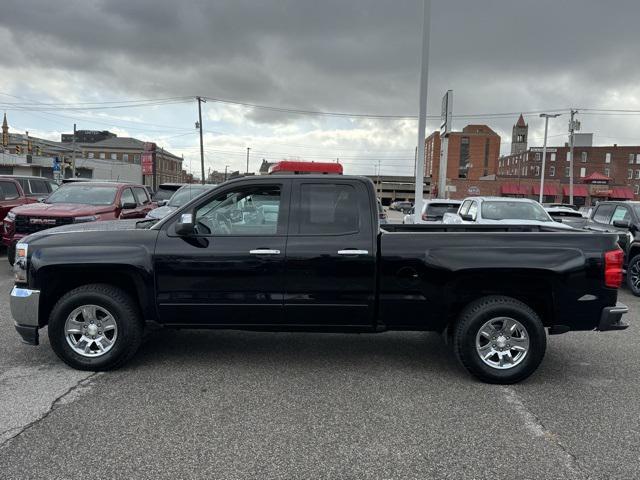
(578, 191)
(548, 190)
(622, 193)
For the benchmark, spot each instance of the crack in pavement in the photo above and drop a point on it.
(538, 429)
(57, 402)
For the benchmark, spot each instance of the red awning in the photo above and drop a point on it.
(595, 176)
(548, 190)
(622, 193)
(514, 189)
(578, 191)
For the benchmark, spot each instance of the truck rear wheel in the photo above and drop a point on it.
(95, 327)
(499, 339)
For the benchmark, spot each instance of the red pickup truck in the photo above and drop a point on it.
(20, 190)
(76, 202)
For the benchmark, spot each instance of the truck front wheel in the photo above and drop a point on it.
(95, 327)
(633, 275)
(499, 339)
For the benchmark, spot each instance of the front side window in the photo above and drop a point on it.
(249, 211)
(473, 211)
(141, 194)
(621, 213)
(127, 197)
(328, 209)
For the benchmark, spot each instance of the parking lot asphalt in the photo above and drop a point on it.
(225, 404)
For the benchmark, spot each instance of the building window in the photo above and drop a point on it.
(607, 157)
(553, 156)
(552, 171)
(537, 170)
(125, 157)
(583, 172)
(537, 156)
(583, 158)
(566, 172)
(631, 158)
(568, 155)
(606, 172)
(637, 174)
(629, 174)
(103, 155)
(463, 166)
(636, 189)
(637, 157)
(90, 155)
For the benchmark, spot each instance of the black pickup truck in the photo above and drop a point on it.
(306, 253)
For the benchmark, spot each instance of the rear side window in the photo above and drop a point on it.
(8, 191)
(37, 187)
(328, 209)
(621, 213)
(603, 213)
(141, 194)
(437, 210)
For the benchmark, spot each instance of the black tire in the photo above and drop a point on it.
(633, 269)
(126, 316)
(471, 320)
(11, 253)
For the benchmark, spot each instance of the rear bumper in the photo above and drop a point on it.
(611, 318)
(25, 304)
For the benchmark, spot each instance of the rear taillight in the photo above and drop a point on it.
(613, 268)
(425, 217)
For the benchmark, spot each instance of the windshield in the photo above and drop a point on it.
(185, 194)
(501, 210)
(84, 194)
(437, 210)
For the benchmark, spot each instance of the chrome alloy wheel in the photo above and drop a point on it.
(91, 331)
(634, 275)
(502, 343)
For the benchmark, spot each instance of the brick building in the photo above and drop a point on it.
(616, 166)
(472, 153)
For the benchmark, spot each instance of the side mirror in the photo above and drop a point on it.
(129, 206)
(162, 203)
(622, 223)
(466, 217)
(185, 225)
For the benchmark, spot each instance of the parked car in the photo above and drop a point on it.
(181, 196)
(433, 211)
(17, 190)
(586, 211)
(401, 206)
(492, 210)
(560, 205)
(75, 202)
(305, 253)
(165, 191)
(567, 216)
(623, 219)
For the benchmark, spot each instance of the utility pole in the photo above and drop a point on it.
(225, 172)
(573, 125)
(247, 172)
(199, 126)
(73, 154)
(422, 122)
(378, 189)
(546, 117)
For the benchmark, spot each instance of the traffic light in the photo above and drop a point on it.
(18, 149)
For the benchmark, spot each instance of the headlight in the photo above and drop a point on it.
(20, 265)
(11, 216)
(88, 218)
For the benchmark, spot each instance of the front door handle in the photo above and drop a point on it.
(353, 251)
(264, 251)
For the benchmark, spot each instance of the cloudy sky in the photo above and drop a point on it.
(92, 58)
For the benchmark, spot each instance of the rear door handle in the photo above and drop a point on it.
(264, 251)
(353, 251)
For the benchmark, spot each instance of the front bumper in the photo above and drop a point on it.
(611, 318)
(25, 304)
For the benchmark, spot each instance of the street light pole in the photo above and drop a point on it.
(546, 117)
(572, 128)
(200, 100)
(422, 122)
(225, 172)
(247, 172)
